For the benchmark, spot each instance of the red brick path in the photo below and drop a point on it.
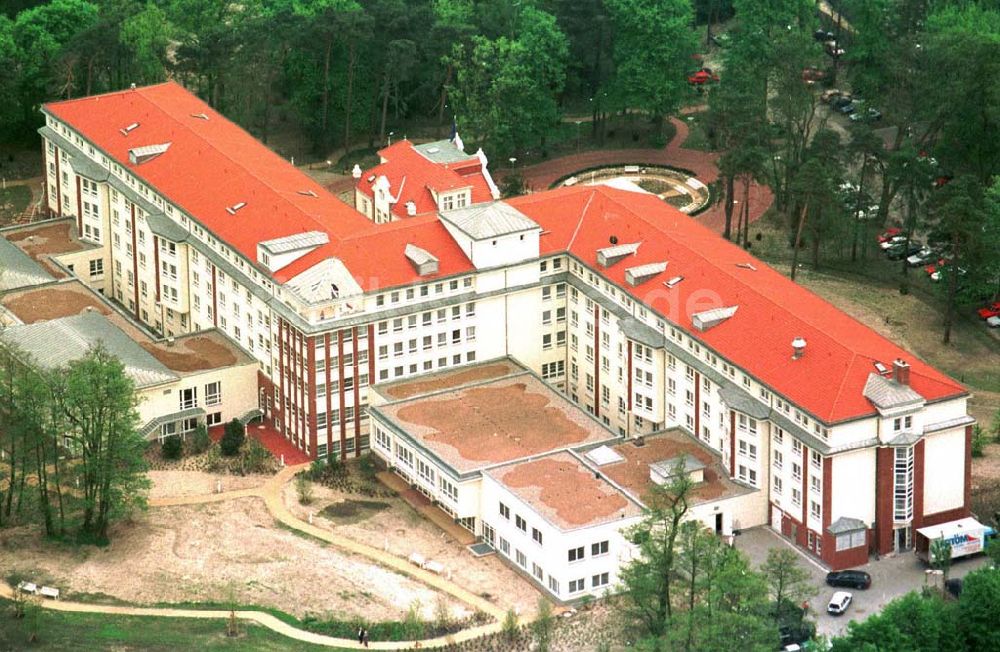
(272, 440)
(701, 164)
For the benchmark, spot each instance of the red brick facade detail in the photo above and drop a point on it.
(329, 397)
(918, 484)
(697, 407)
(279, 405)
(59, 188)
(135, 265)
(310, 387)
(629, 375)
(968, 469)
(340, 395)
(79, 211)
(215, 317)
(357, 397)
(597, 360)
(884, 460)
(732, 444)
(156, 264)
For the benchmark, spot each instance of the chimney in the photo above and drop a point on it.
(411, 208)
(798, 348)
(901, 371)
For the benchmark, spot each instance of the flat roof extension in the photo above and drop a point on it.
(479, 425)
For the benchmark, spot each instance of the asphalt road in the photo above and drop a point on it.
(892, 577)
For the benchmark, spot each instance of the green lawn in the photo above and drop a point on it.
(697, 138)
(74, 631)
(13, 201)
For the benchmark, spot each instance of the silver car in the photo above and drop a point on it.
(839, 603)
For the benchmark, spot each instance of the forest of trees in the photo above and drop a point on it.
(343, 70)
(71, 458)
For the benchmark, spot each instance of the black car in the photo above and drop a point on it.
(899, 252)
(850, 578)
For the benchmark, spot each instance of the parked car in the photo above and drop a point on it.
(846, 108)
(829, 95)
(812, 74)
(722, 40)
(901, 251)
(871, 114)
(893, 241)
(993, 322)
(922, 257)
(839, 603)
(992, 310)
(852, 578)
(939, 271)
(834, 50)
(702, 77)
(889, 233)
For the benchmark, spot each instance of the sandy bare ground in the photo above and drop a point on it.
(201, 552)
(172, 484)
(404, 531)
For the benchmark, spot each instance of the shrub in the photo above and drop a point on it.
(232, 439)
(256, 458)
(510, 626)
(414, 623)
(543, 626)
(172, 448)
(978, 441)
(304, 489)
(200, 441)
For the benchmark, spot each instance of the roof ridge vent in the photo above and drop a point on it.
(747, 266)
(707, 319)
(423, 261)
(200, 116)
(308, 193)
(129, 129)
(139, 155)
(608, 256)
(641, 273)
(235, 207)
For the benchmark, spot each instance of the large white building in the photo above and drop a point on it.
(632, 310)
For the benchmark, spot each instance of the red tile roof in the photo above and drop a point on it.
(411, 175)
(213, 164)
(827, 380)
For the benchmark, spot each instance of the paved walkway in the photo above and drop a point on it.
(271, 492)
(274, 441)
(422, 504)
(702, 165)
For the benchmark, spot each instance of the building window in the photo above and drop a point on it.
(536, 570)
(521, 524)
(505, 511)
(213, 393)
(189, 398)
(522, 559)
(849, 540)
(96, 267)
(575, 586)
(600, 548)
(575, 554)
(553, 585)
(601, 579)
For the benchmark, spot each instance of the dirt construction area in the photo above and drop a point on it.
(391, 524)
(205, 553)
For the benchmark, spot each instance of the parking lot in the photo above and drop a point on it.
(891, 577)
